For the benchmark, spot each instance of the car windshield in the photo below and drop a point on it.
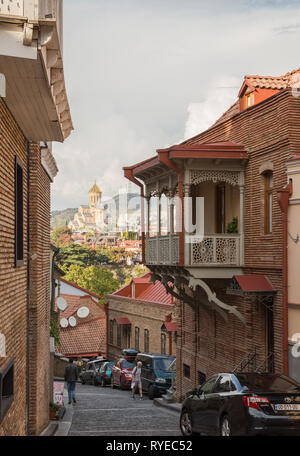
(127, 364)
(163, 364)
(97, 365)
(268, 383)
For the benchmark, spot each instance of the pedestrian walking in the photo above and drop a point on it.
(136, 381)
(71, 377)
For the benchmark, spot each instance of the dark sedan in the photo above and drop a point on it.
(89, 374)
(243, 404)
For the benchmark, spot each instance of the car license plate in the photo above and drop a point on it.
(287, 406)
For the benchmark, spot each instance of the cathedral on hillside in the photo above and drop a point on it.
(89, 217)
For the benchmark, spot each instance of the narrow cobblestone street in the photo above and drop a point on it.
(108, 412)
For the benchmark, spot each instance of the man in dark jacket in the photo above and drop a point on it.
(71, 378)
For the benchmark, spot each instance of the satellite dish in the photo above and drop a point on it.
(64, 323)
(72, 321)
(61, 303)
(83, 312)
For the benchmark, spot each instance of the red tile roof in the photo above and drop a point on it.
(85, 338)
(262, 82)
(75, 302)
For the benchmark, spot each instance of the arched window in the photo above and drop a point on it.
(111, 331)
(146, 340)
(268, 197)
(163, 340)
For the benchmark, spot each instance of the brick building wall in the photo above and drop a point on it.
(39, 224)
(13, 281)
(144, 315)
(268, 131)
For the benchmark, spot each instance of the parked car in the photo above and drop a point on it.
(122, 374)
(156, 379)
(129, 353)
(89, 373)
(243, 404)
(104, 373)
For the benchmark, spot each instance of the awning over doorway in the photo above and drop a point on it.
(251, 284)
(122, 321)
(170, 326)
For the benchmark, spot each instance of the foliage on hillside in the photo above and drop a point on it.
(62, 218)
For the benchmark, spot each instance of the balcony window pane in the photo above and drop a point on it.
(164, 215)
(153, 222)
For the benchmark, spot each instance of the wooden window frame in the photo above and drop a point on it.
(146, 340)
(186, 371)
(19, 213)
(268, 192)
(119, 335)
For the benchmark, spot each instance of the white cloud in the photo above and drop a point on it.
(219, 97)
(133, 70)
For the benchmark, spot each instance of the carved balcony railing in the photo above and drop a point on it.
(216, 250)
(212, 250)
(162, 249)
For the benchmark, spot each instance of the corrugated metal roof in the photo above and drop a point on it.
(146, 291)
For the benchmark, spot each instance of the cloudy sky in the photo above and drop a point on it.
(144, 74)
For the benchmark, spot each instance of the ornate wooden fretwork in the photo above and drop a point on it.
(202, 175)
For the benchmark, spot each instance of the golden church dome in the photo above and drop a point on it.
(95, 189)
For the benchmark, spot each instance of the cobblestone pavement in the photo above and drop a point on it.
(109, 412)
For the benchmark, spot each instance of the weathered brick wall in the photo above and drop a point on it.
(39, 222)
(269, 131)
(143, 315)
(13, 281)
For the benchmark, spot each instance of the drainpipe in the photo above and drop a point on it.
(107, 326)
(163, 157)
(128, 173)
(283, 201)
(28, 296)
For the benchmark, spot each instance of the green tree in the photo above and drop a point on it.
(61, 236)
(80, 255)
(98, 280)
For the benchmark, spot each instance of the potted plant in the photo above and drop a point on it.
(53, 408)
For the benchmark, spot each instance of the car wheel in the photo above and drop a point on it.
(151, 392)
(82, 381)
(225, 426)
(185, 423)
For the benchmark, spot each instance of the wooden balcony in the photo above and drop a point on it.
(213, 250)
(162, 250)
